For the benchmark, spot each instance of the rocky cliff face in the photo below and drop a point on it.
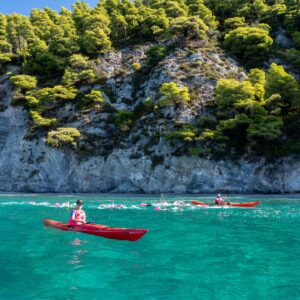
(27, 164)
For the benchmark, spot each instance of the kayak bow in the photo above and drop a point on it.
(246, 204)
(128, 234)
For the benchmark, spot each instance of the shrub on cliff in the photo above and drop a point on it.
(62, 136)
(79, 71)
(234, 23)
(136, 66)
(280, 82)
(188, 28)
(250, 44)
(155, 54)
(293, 57)
(24, 82)
(95, 96)
(173, 95)
(50, 96)
(124, 120)
(187, 133)
(198, 8)
(40, 121)
(92, 100)
(264, 108)
(5, 51)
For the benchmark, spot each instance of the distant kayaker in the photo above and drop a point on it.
(219, 200)
(77, 216)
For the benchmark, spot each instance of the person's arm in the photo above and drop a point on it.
(84, 217)
(73, 215)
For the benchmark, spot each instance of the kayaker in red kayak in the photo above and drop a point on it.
(220, 201)
(77, 216)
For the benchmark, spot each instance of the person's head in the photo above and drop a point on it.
(219, 195)
(79, 203)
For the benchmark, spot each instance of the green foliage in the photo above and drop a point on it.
(5, 47)
(259, 110)
(198, 8)
(24, 82)
(78, 62)
(20, 34)
(205, 121)
(230, 94)
(155, 54)
(154, 23)
(250, 44)
(42, 62)
(63, 136)
(266, 128)
(95, 41)
(258, 79)
(48, 98)
(293, 57)
(42, 23)
(282, 83)
(206, 134)
(95, 96)
(5, 51)
(186, 133)
(56, 93)
(32, 101)
(63, 51)
(296, 39)
(172, 94)
(79, 71)
(41, 121)
(199, 151)
(234, 23)
(173, 9)
(136, 66)
(124, 120)
(93, 27)
(94, 99)
(57, 30)
(87, 76)
(188, 28)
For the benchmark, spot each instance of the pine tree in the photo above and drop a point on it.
(20, 33)
(5, 46)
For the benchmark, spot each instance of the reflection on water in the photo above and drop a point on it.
(78, 242)
(76, 259)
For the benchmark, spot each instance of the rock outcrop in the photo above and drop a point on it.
(28, 164)
(32, 166)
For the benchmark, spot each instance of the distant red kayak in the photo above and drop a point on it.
(100, 230)
(246, 204)
(194, 202)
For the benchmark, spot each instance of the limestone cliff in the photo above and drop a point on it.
(106, 160)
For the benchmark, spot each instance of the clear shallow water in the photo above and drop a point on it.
(188, 253)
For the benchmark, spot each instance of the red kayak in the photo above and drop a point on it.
(100, 230)
(194, 202)
(246, 204)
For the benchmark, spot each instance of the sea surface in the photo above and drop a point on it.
(189, 252)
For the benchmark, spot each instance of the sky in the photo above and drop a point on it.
(24, 6)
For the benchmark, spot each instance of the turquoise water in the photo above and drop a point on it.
(189, 252)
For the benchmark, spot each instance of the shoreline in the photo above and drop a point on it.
(162, 195)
